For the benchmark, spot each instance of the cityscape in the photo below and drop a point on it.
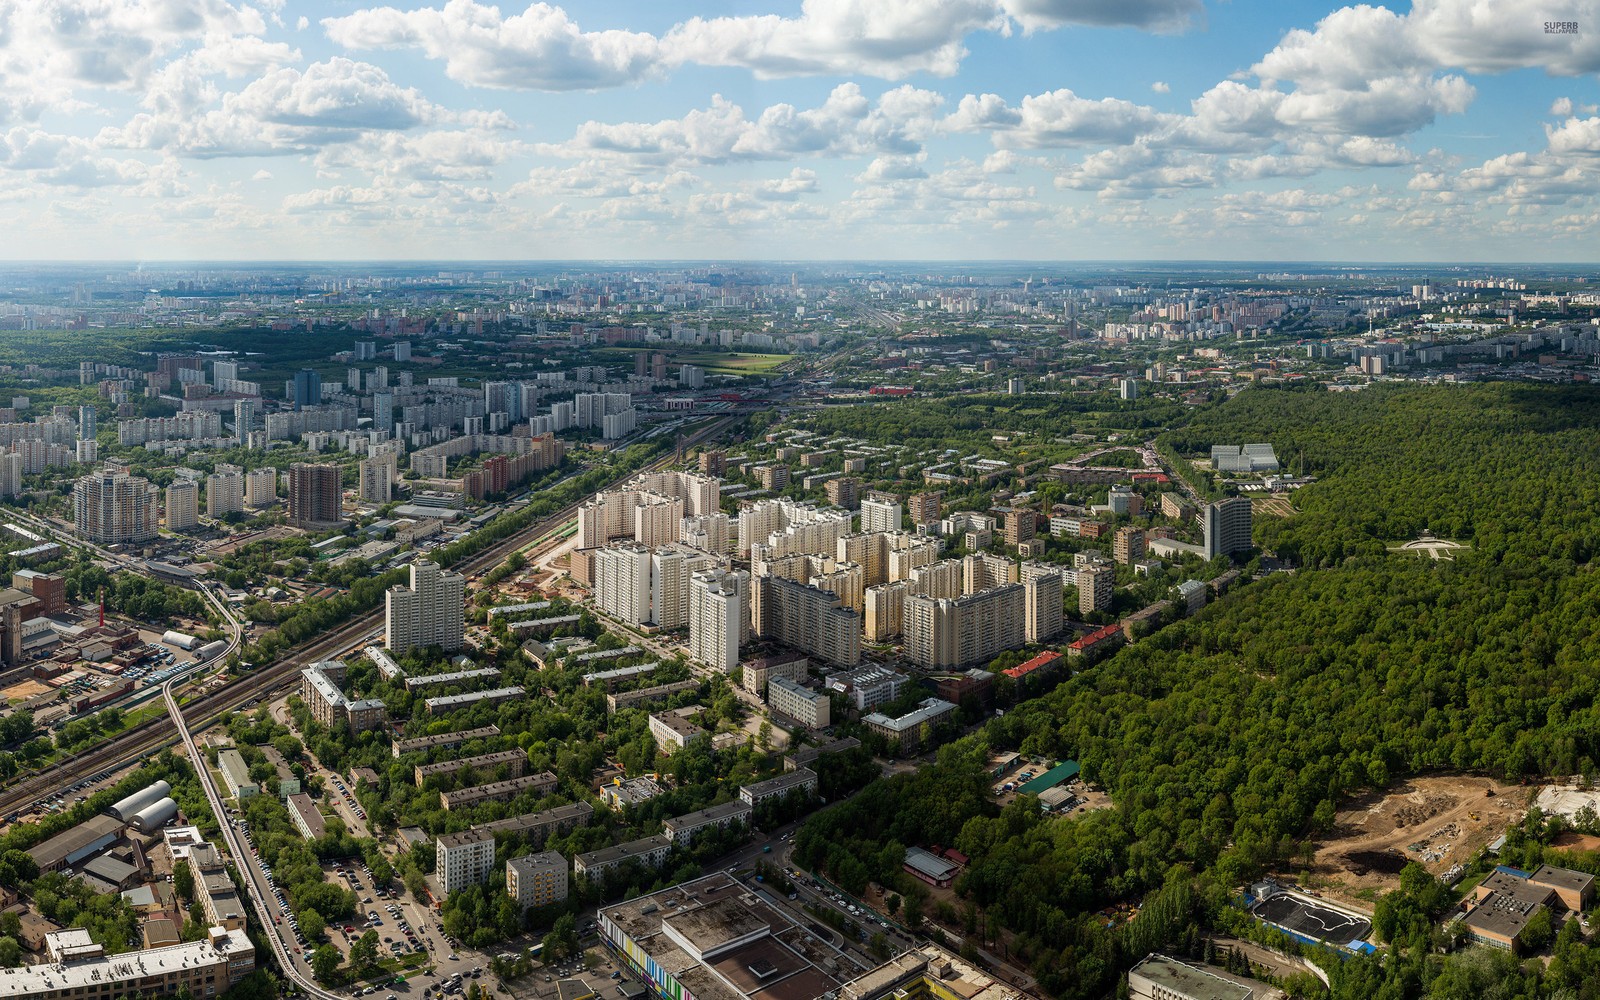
(826, 500)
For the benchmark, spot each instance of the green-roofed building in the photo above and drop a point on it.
(1062, 772)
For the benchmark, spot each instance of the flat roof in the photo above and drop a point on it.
(476, 835)
(1562, 878)
(455, 677)
(711, 814)
(301, 803)
(929, 864)
(481, 760)
(1500, 914)
(621, 852)
(782, 782)
(90, 973)
(1190, 981)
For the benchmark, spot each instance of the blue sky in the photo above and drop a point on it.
(895, 129)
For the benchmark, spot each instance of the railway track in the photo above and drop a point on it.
(155, 733)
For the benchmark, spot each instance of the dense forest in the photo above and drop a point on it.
(1228, 739)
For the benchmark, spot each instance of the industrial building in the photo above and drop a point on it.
(69, 847)
(124, 809)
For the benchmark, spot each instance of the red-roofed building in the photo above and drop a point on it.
(1097, 641)
(1039, 665)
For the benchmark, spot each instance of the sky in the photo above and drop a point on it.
(825, 129)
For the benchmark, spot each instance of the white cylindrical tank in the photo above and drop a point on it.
(155, 815)
(179, 639)
(125, 809)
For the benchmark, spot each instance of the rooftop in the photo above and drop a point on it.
(577, 812)
(91, 973)
(931, 708)
(622, 852)
(1191, 981)
(493, 694)
(1562, 878)
(444, 739)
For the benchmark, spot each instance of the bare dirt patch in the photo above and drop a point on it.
(1436, 821)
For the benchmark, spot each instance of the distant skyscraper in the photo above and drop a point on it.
(87, 422)
(427, 613)
(261, 487)
(225, 491)
(313, 495)
(244, 418)
(377, 478)
(307, 388)
(383, 412)
(11, 473)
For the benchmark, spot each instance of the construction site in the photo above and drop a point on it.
(1439, 822)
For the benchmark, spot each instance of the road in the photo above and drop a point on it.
(158, 732)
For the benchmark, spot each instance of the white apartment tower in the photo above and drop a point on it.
(622, 582)
(463, 859)
(183, 505)
(261, 487)
(428, 613)
(225, 491)
(718, 617)
(879, 515)
(11, 474)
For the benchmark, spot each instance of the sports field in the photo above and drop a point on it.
(1320, 922)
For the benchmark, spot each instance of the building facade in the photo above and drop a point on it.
(427, 613)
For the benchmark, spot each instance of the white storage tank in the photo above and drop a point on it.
(155, 816)
(179, 639)
(125, 809)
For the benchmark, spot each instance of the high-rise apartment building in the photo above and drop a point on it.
(463, 859)
(1096, 583)
(427, 613)
(314, 494)
(717, 617)
(806, 618)
(377, 478)
(963, 631)
(886, 611)
(1128, 545)
(110, 507)
(225, 491)
(1227, 527)
(261, 487)
(1046, 612)
(879, 515)
(622, 582)
(306, 390)
(1021, 524)
(924, 507)
(244, 418)
(670, 570)
(843, 492)
(11, 473)
(183, 505)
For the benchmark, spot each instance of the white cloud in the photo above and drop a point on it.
(1151, 15)
(1055, 119)
(846, 124)
(1561, 107)
(1161, 87)
(890, 40)
(539, 49)
(286, 111)
(1575, 135)
(261, 175)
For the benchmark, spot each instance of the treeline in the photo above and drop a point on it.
(1227, 740)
